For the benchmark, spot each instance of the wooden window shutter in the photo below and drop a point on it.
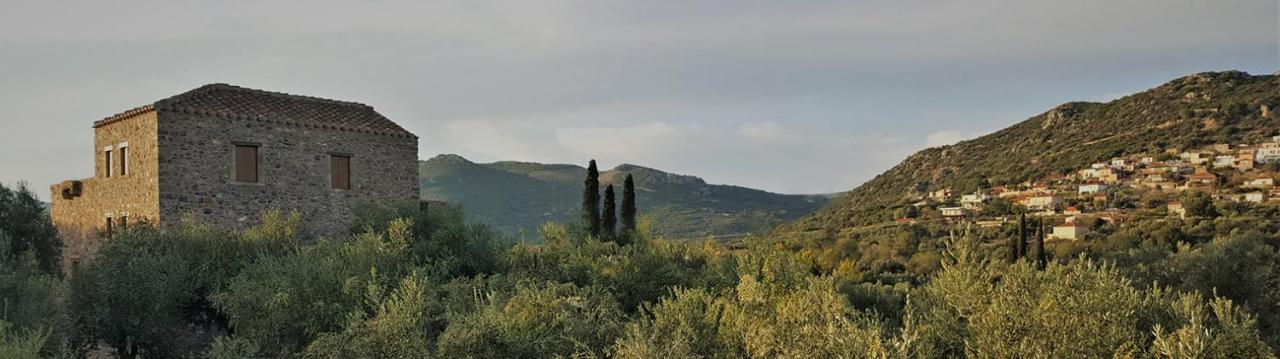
(246, 164)
(340, 171)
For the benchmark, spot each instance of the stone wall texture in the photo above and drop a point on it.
(197, 160)
(180, 168)
(134, 195)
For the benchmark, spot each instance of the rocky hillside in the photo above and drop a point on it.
(517, 197)
(1206, 108)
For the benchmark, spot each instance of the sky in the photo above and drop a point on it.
(787, 96)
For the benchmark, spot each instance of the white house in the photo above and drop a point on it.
(974, 201)
(1070, 230)
(1088, 188)
(1260, 182)
(954, 212)
(1196, 157)
(1267, 152)
(1176, 208)
(1039, 203)
(1224, 161)
(1255, 197)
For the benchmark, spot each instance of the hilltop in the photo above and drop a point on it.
(517, 197)
(1189, 112)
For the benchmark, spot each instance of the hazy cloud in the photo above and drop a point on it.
(949, 137)
(812, 96)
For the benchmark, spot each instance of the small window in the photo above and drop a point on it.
(340, 171)
(124, 159)
(106, 159)
(109, 228)
(246, 168)
(124, 222)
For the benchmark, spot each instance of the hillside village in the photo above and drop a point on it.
(1113, 191)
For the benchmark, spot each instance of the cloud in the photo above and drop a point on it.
(765, 131)
(497, 141)
(630, 140)
(806, 96)
(949, 137)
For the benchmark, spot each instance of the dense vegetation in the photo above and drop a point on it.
(1196, 110)
(408, 284)
(517, 197)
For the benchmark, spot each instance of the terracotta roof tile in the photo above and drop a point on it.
(227, 101)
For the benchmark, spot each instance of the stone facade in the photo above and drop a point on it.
(181, 163)
(79, 209)
(293, 171)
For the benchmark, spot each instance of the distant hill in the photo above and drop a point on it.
(519, 197)
(1189, 112)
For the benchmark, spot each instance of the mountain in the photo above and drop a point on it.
(518, 197)
(1189, 112)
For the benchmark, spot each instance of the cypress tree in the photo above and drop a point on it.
(1039, 255)
(1022, 238)
(609, 217)
(591, 200)
(1018, 244)
(628, 206)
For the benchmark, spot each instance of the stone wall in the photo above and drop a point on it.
(196, 167)
(80, 217)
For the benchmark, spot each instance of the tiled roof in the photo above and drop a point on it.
(234, 102)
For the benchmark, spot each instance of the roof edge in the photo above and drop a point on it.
(124, 115)
(230, 116)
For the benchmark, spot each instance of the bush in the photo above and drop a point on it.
(539, 320)
(21, 344)
(134, 296)
(283, 303)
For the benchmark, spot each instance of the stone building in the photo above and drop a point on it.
(222, 154)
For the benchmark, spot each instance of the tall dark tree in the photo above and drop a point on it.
(25, 222)
(1037, 248)
(591, 200)
(1018, 244)
(628, 205)
(609, 216)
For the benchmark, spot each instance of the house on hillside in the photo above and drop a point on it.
(1041, 203)
(1268, 152)
(222, 154)
(1089, 188)
(1255, 197)
(1245, 160)
(1201, 177)
(1224, 161)
(1176, 209)
(1261, 182)
(975, 200)
(1070, 230)
(940, 195)
(1196, 158)
(955, 213)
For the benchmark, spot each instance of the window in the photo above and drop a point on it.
(124, 222)
(340, 171)
(246, 169)
(109, 228)
(106, 159)
(124, 159)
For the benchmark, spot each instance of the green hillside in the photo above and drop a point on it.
(1200, 109)
(518, 197)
